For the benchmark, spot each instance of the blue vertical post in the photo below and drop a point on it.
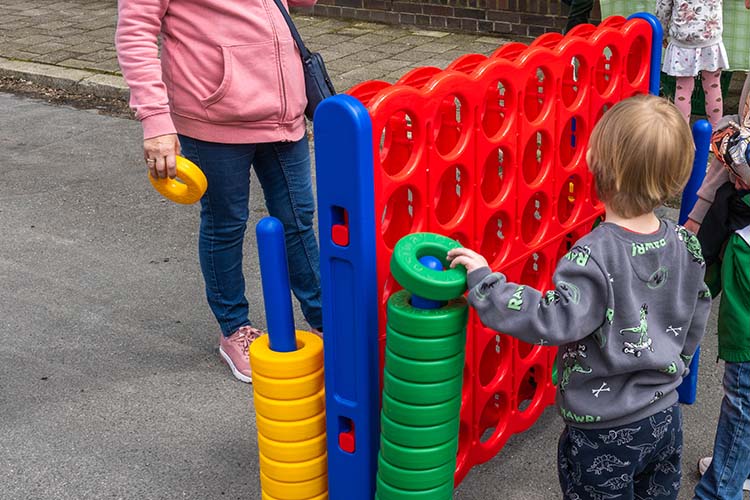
(656, 40)
(346, 218)
(274, 274)
(702, 137)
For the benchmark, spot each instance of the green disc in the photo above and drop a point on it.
(418, 437)
(421, 393)
(411, 414)
(432, 323)
(419, 458)
(421, 280)
(415, 370)
(388, 492)
(425, 348)
(410, 479)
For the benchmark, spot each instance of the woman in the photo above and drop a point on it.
(226, 90)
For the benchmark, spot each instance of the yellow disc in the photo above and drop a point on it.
(294, 471)
(291, 409)
(265, 496)
(307, 359)
(300, 451)
(297, 430)
(288, 388)
(294, 491)
(188, 191)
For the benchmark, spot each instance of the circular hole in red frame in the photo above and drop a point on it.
(570, 200)
(537, 157)
(535, 271)
(398, 140)
(529, 390)
(452, 195)
(400, 215)
(494, 418)
(635, 70)
(497, 176)
(538, 93)
(607, 70)
(499, 109)
(535, 218)
(573, 141)
(451, 124)
(496, 238)
(575, 81)
(495, 360)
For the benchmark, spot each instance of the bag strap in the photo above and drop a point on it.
(304, 52)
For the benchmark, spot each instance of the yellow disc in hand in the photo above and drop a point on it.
(300, 451)
(296, 430)
(187, 188)
(294, 471)
(307, 359)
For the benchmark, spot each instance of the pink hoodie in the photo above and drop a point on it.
(229, 72)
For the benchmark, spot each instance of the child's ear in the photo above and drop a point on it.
(589, 158)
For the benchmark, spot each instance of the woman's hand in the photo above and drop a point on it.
(690, 224)
(159, 153)
(467, 258)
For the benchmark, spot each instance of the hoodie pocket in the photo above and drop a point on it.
(250, 89)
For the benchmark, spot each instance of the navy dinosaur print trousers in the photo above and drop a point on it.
(638, 461)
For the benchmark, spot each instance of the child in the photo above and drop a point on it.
(628, 309)
(694, 28)
(724, 206)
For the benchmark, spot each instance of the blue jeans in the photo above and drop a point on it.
(283, 169)
(731, 459)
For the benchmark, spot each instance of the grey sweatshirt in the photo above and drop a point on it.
(628, 311)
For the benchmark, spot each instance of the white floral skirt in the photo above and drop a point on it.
(689, 61)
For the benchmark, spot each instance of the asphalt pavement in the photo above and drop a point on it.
(111, 386)
(110, 381)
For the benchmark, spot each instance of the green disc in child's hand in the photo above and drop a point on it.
(414, 276)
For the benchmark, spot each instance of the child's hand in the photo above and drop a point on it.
(467, 258)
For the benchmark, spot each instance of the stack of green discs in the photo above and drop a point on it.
(424, 362)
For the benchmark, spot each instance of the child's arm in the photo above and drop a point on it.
(664, 14)
(572, 311)
(697, 325)
(716, 176)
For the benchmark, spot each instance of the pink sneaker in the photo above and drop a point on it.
(234, 350)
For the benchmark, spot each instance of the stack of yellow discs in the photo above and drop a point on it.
(290, 415)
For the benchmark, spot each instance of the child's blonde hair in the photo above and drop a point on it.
(641, 154)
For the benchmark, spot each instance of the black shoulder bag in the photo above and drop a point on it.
(318, 84)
